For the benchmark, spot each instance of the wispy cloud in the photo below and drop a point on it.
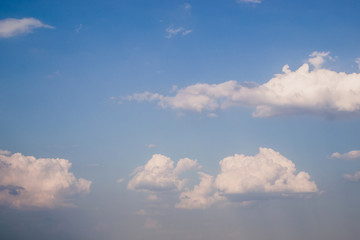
(78, 28)
(304, 91)
(171, 32)
(11, 27)
(357, 61)
(26, 181)
(353, 177)
(187, 6)
(151, 223)
(355, 154)
(150, 145)
(248, 1)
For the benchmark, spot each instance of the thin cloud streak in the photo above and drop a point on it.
(11, 27)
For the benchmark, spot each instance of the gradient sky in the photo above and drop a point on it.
(133, 119)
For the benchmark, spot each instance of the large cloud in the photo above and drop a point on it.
(44, 182)
(10, 27)
(159, 174)
(304, 91)
(266, 172)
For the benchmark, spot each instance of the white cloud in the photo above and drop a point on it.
(171, 32)
(249, 1)
(10, 27)
(318, 58)
(266, 172)
(319, 91)
(353, 177)
(120, 180)
(44, 182)
(202, 196)
(347, 156)
(159, 174)
(242, 178)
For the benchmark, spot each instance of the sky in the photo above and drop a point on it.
(131, 120)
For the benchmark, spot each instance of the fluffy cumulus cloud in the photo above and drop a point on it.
(266, 172)
(159, 174)
(353, 177)
(355, 154)
(26, 181)
(11, 27)
(318, 91)
(202, 196)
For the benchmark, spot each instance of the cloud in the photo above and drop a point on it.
(318, 58)
(171, 32)
(153, 198)
(11, 27)
(120, 180)
(187, 6)
(78, 28)
(26, 181)
(248, 1)
(266, 172)
(202, 196)
(357, 61)
(318, 92)
(152, 224)
(267, 175)
(151, 145)
(159, 174)
(347, 156)
(353, 177)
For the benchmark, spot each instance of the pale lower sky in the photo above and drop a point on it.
(235, 119)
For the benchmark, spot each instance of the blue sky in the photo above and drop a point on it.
(179, 119)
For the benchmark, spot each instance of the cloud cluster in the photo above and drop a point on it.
(304, 91)
(171, 32)
(159, 174)
(266, 174)
(26, 181)
(11, 27)
(347, 156)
